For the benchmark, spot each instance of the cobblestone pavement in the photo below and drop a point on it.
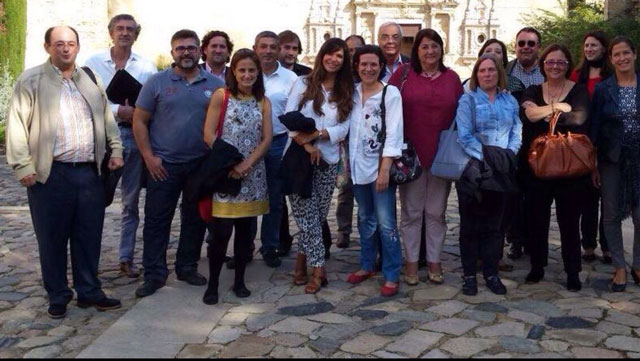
(342, 320)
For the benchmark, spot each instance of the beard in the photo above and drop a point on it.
(186, 62)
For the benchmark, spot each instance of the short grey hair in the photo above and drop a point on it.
(389, 23)
(115, 19)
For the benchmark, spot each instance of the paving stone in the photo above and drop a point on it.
(224, 334)
(340, 332)
(288, 339)
(501, 329)
(435, 293)
(587, 313)
(518, 344)
(330, 317)
(569, 322)
(12, 296)
(580, 302)
(31, 303)
(491, 307)
(536, 332)
(594, 352)
(77, 342)
(627, 306)
(233, 319)
(554, 346)
(527, 317)
(247, 346)
(452, 326)
(448, 308)
(380, 299)
(260, 321)
(623, 343)
(413, 316)
(613, 328)
(295, 300)
(199, 351)
(435, 354)
(482, 316)
(6, 342)
(623, 318)
(9, 281)
(280, 352)
(466, 346)
(325, 346)
(392, 329)
(44, 352)
(38, 341)
(306, 309)
(364, 344)
(484, 296)
(295, 325)
(541, 308)
(578, 336)
(253, 308)
(387, 355)
(414, 343)
(368, 315)
(62, 331)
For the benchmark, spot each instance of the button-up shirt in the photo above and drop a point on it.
(74, 132)
(396, 64)
(364, 133)
(497, 123)
(527, 77)
(329, 121)
(140, 68)
(277, 86)
(222, 76)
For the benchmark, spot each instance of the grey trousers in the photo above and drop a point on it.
(611, 186)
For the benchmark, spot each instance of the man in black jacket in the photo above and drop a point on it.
(216, 53)
(290, 48)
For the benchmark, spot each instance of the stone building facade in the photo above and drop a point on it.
(463, 24)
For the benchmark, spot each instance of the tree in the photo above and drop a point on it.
(13, 30)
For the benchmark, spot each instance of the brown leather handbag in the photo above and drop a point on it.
(556, 155)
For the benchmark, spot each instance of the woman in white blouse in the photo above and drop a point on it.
(326, 96)
(375, 140)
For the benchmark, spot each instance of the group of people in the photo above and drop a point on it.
(256, 126)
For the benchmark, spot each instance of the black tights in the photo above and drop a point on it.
(221, 229)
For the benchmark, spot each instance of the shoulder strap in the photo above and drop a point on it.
(405, 75)
(473, 111)
(223, 111)
(91, 75)
(383, 116)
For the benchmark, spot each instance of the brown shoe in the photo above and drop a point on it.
(318, 280)
(129, 269)
(300, 271)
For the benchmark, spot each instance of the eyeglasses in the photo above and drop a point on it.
(386, 37)
(558, 63)
(190, 48)
(529, 43)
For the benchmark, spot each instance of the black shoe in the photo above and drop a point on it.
(515, 251)
(227, 259)
(327, 253)
(607, 260)
(573, 283)
(635, 277)
(193, 278)
(343, 241)
(231, 264)
(148, 288)
(57, 311)
(618, 287)
(589, 257)
(495, 285)
(283, 251)
(105, 304)
(271, 259)
(534, 276)
(241, 291)
(470, 286)
(210, 297)
(422, 263)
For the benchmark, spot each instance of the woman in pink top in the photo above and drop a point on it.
(430, 93)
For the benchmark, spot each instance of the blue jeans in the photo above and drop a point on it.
(270, 228)
(69, 209)
(162, 198)
(377, 210)
(130, 190)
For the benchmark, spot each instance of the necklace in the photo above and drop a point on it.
(429, 75)
(554, 98)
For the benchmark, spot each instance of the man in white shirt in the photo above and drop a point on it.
(277, 83)
(124, 31)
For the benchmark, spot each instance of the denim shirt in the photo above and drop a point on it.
(497, 123)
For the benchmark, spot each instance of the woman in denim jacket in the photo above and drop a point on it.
(488, 123)
(616, 132)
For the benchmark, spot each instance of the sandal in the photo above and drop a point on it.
(411, 280)
(437, 278)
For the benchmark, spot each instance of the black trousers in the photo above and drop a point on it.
(589, 224)
(69, 210)
(569, 195)
(481, 230)
(221, 230)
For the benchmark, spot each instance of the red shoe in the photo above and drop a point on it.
(388, 291)
(355, 278)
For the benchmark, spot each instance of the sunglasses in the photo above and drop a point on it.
(529, 43)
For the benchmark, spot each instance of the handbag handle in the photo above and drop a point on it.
(553, 122)
(382, 137)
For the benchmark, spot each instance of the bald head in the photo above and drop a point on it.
(63, 44)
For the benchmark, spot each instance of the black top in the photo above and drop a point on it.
(300, 69)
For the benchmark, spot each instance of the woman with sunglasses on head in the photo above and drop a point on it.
(326, 96)
(616, 132)
(375, 139)
(540, 103)
(592, 69)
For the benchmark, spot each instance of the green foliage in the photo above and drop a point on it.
(6, 89)
(569, 28)
(13, 31)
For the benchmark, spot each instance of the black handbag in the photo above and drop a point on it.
(407, 168)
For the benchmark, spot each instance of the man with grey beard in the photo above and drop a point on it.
(171, 147)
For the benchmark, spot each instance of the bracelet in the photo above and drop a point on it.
(553, 108)
(319, 134)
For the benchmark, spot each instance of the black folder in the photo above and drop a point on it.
(123, 87)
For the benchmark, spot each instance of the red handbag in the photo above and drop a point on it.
(205, 204)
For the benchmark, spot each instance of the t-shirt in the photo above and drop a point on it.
(178, 111)
(591, 82)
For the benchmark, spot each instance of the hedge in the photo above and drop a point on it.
(13, 30)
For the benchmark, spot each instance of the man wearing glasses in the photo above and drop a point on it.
(390, 40)
(525, 66)
(171, 146)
